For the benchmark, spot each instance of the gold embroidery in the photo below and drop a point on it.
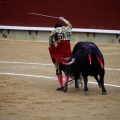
(63, 33)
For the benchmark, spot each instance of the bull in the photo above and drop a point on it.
(86, 60)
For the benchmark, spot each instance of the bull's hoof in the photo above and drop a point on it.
(76, 87)
(85, 92)
(100, 86)
(65, 87)
(104, 93)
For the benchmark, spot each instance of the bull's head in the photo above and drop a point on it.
(70, 66)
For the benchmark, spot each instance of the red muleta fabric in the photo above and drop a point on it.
(62, 50)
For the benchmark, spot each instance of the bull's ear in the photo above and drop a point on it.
(71, 62)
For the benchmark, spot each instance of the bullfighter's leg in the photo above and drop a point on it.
(59, 76)
(66, 83)
(60, 82)
(66, 78)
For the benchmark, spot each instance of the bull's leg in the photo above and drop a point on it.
(85, 84)
(98, 81)
(102, 83)
(76, 82)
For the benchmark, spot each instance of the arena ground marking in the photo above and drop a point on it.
(114, 53)
(29, 63)
(47, 77)
(112, 69)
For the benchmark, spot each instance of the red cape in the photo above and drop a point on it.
(62, 50)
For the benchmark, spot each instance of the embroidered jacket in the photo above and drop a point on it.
(60, 33)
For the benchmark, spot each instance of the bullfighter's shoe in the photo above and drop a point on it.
(60, 89)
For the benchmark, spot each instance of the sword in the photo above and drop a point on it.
(43, 15)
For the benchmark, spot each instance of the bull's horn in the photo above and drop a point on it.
(71, 62)
(65, 58)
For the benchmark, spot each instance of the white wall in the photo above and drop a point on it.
(44, 35)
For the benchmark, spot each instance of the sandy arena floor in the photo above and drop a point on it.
(27, 86)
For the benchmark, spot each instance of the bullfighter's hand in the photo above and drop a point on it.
(61, 18)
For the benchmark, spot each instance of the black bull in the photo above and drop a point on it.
(86, 60)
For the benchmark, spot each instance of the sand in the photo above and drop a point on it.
(24, 96)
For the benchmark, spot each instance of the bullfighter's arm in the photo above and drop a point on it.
(69, 25)
(51, 37)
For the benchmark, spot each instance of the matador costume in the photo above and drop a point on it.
(60, 48)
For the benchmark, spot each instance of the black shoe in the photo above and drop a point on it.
(65, 87)
(60, 89)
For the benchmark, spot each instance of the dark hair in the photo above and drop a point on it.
(57, 25)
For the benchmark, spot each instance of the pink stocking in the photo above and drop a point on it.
(60, 80)
(66, 79)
